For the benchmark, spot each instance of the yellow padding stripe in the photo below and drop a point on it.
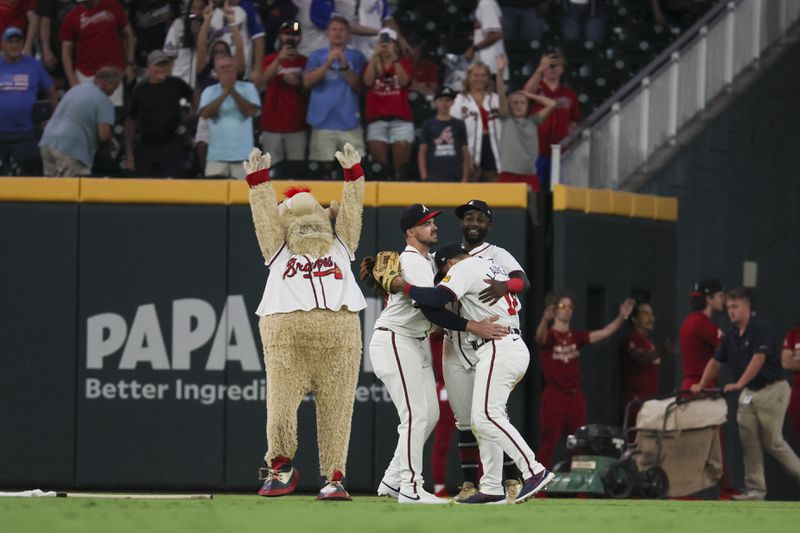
(619, 203)
(40, 189)
(162, 191)
(323, 191)
(153, 191)
(397, 194)
(569, 198)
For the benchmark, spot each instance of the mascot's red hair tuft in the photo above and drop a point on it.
(291, 191)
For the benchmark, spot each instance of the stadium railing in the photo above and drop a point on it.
(648, 112)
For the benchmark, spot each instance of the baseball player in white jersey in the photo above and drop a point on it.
(459, 357)
(501, 364)
(400, 362)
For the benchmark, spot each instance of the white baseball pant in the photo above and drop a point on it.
(400, 363)
(501, 365)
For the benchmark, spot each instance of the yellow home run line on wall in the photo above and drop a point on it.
(233, 192)
(619, 203)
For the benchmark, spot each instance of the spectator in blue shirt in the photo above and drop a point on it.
(229, 107)
(83, 117)
(751, 350)
(22, 78)
(333, 75)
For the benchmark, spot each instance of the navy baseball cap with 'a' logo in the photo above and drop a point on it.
(478, 205)
(414, 215)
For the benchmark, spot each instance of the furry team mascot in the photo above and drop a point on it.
(309, 322)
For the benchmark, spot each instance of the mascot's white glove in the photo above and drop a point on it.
(350, 160)
(257, 167)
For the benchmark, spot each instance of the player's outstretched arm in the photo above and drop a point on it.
(263, 204)
(348, 221)
(625, 310)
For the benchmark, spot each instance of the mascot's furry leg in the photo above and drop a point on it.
(287, 384)
(335, 381)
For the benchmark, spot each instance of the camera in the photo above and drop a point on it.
(291, 42)
(195, 16)
(384, 38)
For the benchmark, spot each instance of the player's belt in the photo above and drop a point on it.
(480, 342)
(382, 328)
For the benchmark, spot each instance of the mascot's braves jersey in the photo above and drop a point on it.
(401, 314)
(458, 339)
(302, 283)
(466, 281)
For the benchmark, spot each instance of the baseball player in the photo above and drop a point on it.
(501, 364)
(459, 356)
(699, 337)
(400, 362)
(563, 408)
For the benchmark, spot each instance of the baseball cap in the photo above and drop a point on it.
(478, 205)
(707, 287)
(447, 252)
(414, 215)
(445, 92)
(388, 31)
(158, 56)
(13, 31)
(289, 27)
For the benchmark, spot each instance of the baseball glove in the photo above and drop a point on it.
(387, 267)
(365, 273)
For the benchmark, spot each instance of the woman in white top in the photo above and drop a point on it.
(479, 107)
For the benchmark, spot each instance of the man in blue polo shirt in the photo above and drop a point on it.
(22, 79)
(751, 349)
(333, 77)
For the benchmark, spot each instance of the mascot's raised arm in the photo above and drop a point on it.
(309, 323)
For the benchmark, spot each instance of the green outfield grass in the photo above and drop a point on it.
(239, 513)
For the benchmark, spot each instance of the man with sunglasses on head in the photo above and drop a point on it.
(563, 406)
(546, 81)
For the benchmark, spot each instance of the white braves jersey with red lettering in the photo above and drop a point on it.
(466, 281)
(401, 314)
(498, 255)
(302, 283)
(459, 339)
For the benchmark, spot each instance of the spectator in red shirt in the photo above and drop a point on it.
(546, 80)
(99, 34)
(641, 362)
(699, 336)
(20, 14)
(790, 360)
(424, 72)
(389, 121)
(563, 407)
(284, 131)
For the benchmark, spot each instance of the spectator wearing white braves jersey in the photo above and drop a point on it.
(399, 360)
(501, 364)
(479, 108)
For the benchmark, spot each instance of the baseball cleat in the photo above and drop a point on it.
(533, 485)
(279, 480)
(421, 497)
(467, 489)
(333, 490)
(385, 489)
(512, 487)
(480, 497)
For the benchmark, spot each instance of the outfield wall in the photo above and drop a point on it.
(132, 357)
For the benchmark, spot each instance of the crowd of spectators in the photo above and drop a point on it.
(197, 82)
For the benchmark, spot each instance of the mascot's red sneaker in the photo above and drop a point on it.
(333, 490)
(279, 479)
